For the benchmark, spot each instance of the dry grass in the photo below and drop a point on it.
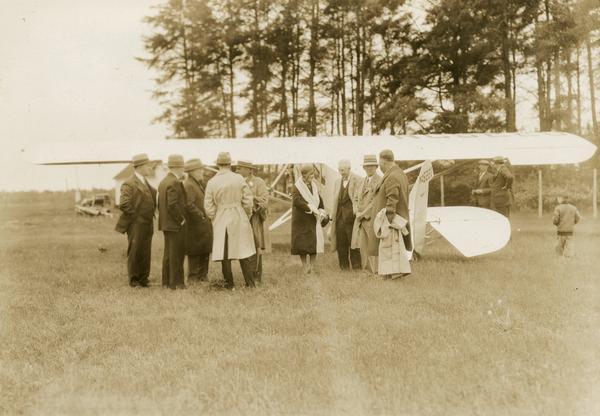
(515, 332)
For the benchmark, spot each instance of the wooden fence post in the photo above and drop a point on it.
(442, 199)
(540, 197)
(595, 193)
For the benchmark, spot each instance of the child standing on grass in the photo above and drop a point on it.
(565, 217)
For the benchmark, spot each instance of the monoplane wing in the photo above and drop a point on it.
(472, 231)
(519, 148)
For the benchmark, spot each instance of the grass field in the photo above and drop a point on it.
(515, 332)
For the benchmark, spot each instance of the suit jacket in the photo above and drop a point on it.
(199, 228)
(353, 184)
(171, 204)
(484, 184)
(501, 195)
(364, 204)
(392, 195)
(260, 194)
(138, 204)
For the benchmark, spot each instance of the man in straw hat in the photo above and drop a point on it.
(362, 233)
(228, 203)
(138, 204)
(198, 226)
(343, 215)
(171, 221)
(483, 187)
(501, 194)
(391, 197)
(260, 194)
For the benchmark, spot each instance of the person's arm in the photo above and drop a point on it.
(126, 202)
(191, 209)
(261, 199)
(209, 202)
(392, 196)
(508, 177)
(556, 216)
(487, 189)
(577, 216)
(298, 201)
(247, 199)
(173, 207)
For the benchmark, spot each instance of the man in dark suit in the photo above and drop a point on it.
(483, 187)
(392, 195)
(138, 204)
(501, 195)
(171, 221)
(199, 227)
(343, 214)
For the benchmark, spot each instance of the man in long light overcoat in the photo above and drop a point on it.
(228, 203)
(363, 234)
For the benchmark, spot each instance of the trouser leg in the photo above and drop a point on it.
(343, 247)
(132, 249)
(354, 252)
(176, 258)
(145, 253)
(248, 264)
(569, 247)
(226, 266)
(363, 244)
(193, 267)
(203, 266)
(166, 260)
(559, 245)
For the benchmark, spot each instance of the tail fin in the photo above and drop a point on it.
(417, 206)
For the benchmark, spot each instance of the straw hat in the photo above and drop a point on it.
(139, 160)
(192, 164)
(370, 160)
(175, 161)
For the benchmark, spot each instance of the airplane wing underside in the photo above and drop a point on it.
(520, 148)
(472, 231)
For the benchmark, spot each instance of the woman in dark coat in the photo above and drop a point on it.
(308, 219)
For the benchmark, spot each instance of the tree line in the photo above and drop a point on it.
(352, 67)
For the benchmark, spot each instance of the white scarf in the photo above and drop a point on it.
(312, 200)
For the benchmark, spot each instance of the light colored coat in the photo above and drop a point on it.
(353, 184)
(364, 208)
(393, 258)
(228, 203)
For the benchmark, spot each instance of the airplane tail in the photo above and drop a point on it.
(417, 206)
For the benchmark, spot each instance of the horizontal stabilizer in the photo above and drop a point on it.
(472, 231)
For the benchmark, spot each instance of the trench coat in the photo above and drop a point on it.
(484, 184)
(501, 194)
(199, 228)
(392, 258)
(228, 203)
(260, 195)
(364, 211)
(353, 184)
(392, 194)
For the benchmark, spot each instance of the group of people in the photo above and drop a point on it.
(493, 188)
(223, 217)
(369, 220)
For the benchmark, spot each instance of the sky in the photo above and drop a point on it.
(68, 72)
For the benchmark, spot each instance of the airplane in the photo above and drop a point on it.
(460, 226)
